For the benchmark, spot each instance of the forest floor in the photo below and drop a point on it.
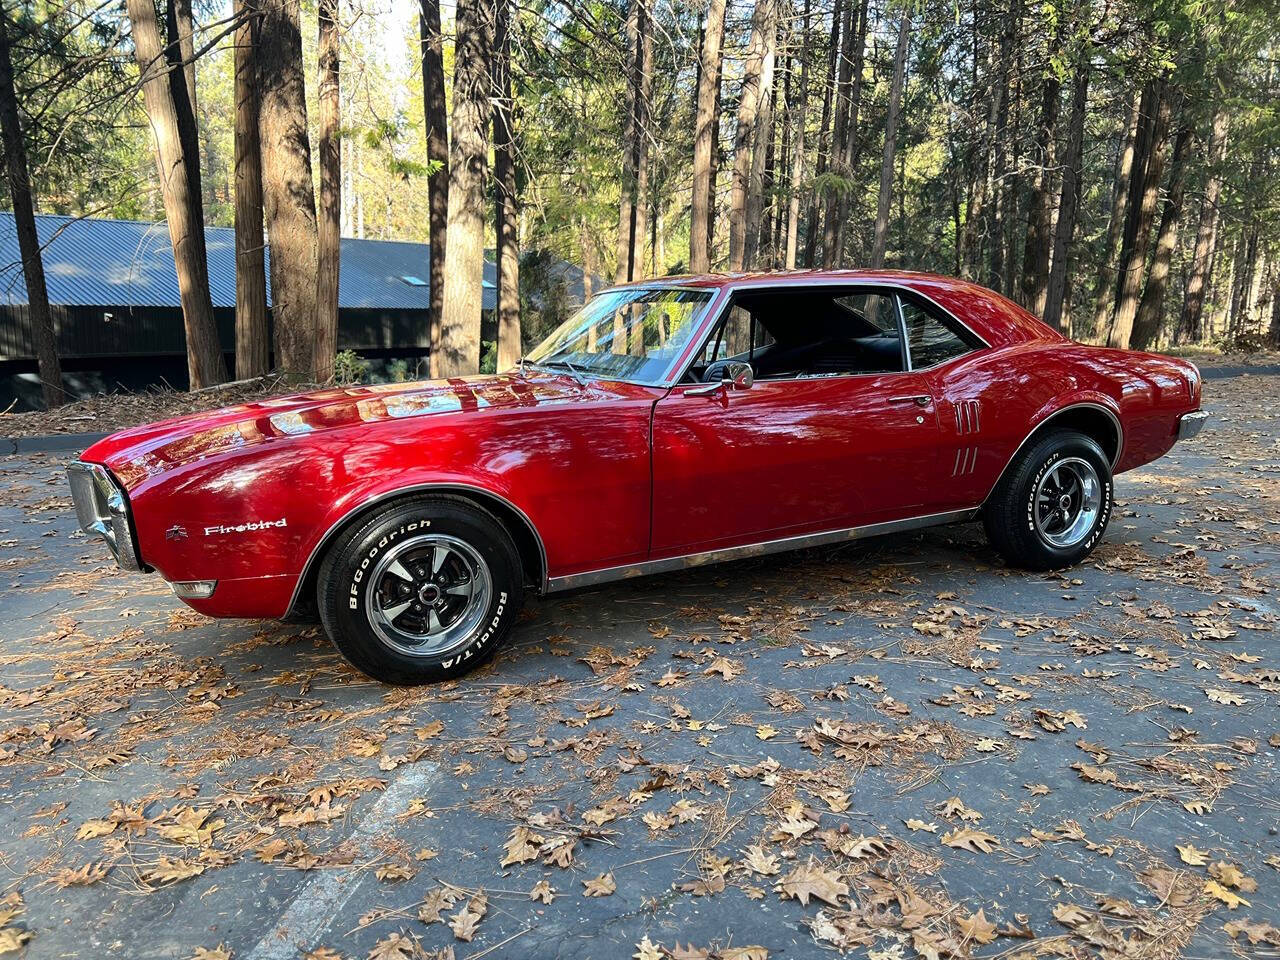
(109, 412)
(898, 747)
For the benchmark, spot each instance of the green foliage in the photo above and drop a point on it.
(91, 150)
(349, 367)
(398, 371)
(544, 298)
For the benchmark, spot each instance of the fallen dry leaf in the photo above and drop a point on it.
(601, 886)
(967, 838)
(810, 879)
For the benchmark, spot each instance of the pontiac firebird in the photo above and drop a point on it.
(666, 424)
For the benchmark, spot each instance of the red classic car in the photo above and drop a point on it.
(667, 424)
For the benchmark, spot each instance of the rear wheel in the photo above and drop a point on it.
(1051, 507)
(422, 591)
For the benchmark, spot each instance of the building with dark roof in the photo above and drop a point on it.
(113, 291)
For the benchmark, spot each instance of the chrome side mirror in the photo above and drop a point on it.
(737, 376)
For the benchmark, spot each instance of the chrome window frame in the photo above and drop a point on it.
(724, 302)
(947, 314)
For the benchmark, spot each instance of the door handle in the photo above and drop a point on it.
(920, 400)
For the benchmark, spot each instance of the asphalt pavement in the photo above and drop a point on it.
(903, 727)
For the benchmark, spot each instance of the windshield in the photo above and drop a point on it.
(630, 334)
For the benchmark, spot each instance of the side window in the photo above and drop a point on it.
(932, 339)
(739, 334)
(875, 308)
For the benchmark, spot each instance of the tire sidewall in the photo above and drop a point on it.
(1066, 447)
(350, 592)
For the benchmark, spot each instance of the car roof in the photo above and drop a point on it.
(784, 277)
(995, 318)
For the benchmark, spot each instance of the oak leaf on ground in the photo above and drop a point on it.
(810, 879)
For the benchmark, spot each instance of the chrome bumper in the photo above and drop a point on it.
(1189, 424)
(103, 510)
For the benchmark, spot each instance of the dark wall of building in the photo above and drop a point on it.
(156, 331)
(108, 349)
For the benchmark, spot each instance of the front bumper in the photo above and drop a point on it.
(103, 510)
(1189, 424)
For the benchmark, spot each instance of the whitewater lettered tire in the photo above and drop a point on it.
(422, 591)
(1051, 507)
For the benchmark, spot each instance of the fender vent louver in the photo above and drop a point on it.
(968, 419)
(966, 461)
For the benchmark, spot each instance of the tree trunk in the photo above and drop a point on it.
(703, 185)
(1202, 258)
(762, 27)
(288, 191)
(437, 122)
(1150, 160)
(796, 111)
(506, 219)
(890, 141)
(15, 154)
(1068, 201)
(976, 213)
(1039, 239)
(854, 25)
(1242, 307)
(631, 145)
(630, 220)
(824, 129)
(713, 207)
(1151, 310)
(329, 238)
(205, 365)
(464, 256)
(182, 28)
(1103, 301)
(850, 139)
(1003, 186)
(643, 200)
(588, 264)
(762, 143)
(1273, 333)
(181, 54)
(253, 347)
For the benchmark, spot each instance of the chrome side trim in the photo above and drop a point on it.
(646, 568)
(324, 541)
(1075, 406)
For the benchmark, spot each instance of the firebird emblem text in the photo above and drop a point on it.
(220, 528)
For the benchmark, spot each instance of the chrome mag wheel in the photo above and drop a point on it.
(1067, 501)
(428, 594)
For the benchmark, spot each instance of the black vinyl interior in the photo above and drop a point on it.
(813, 334)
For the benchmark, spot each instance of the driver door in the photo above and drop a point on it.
(789, 456)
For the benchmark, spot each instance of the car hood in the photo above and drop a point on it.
(142, 452)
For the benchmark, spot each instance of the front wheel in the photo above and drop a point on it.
(1051, 507)
(422, 591)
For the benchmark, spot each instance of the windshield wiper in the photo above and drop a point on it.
(568, 365)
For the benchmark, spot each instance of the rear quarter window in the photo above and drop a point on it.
(933, 337)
